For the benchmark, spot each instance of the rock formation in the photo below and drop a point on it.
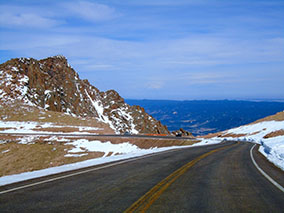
(54, 85)
(182, 132)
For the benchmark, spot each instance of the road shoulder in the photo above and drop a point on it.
(274, 172)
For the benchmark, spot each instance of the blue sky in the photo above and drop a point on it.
(156, 49)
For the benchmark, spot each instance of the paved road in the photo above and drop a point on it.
(216, 178)
(103, 135)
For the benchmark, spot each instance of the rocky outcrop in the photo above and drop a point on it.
(54, 85)
(182, 132)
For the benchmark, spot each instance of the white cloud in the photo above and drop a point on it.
(159, 56)
(9, 19)
(91, 11)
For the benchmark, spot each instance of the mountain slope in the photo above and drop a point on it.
(53, 85)
(268, 127)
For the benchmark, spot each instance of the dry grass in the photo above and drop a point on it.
(233, 135)
(211, 135)
(277, 117)
(222, 135)
(40, 155)
(3, 129)
(16, 111)
(275, 134)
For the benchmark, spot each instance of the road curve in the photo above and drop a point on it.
(203, 179)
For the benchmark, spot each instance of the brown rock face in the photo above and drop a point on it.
(183, 132)
(52, 84)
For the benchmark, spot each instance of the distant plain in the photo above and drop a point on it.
(202, 117)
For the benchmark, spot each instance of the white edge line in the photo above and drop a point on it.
(263, 173)
(86, 171)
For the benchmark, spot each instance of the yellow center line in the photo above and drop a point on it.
(143, 203)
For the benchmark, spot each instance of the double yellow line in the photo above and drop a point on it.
(149, 198)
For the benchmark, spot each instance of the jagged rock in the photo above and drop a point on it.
(54, 85)
(182, 132)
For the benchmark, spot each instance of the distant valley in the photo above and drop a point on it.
(203, 117)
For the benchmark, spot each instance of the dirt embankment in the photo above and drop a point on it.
(277, 117)
(275, 134)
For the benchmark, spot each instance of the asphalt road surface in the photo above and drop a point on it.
(216, 178)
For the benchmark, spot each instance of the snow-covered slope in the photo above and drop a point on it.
(53, 85)
(268, 132)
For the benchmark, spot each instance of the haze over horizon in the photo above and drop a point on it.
(162, 49)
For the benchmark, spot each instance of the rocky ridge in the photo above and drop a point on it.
(182, 132)
(52, 84)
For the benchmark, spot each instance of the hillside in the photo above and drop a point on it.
(52, 84)
(40, 100)
(268, 127)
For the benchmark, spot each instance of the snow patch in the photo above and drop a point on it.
(75, 155)
(5, 151)
(46, 106)
(84, 145)
(28, 140)
(272, 148)
(57, 139)
(100, 111)
(15, 69)
(19, 90)
(258, 130)
(25, 79)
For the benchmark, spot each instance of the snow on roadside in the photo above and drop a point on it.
(210, 141)
(83, 145)
(272, 148)
(257, 131)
